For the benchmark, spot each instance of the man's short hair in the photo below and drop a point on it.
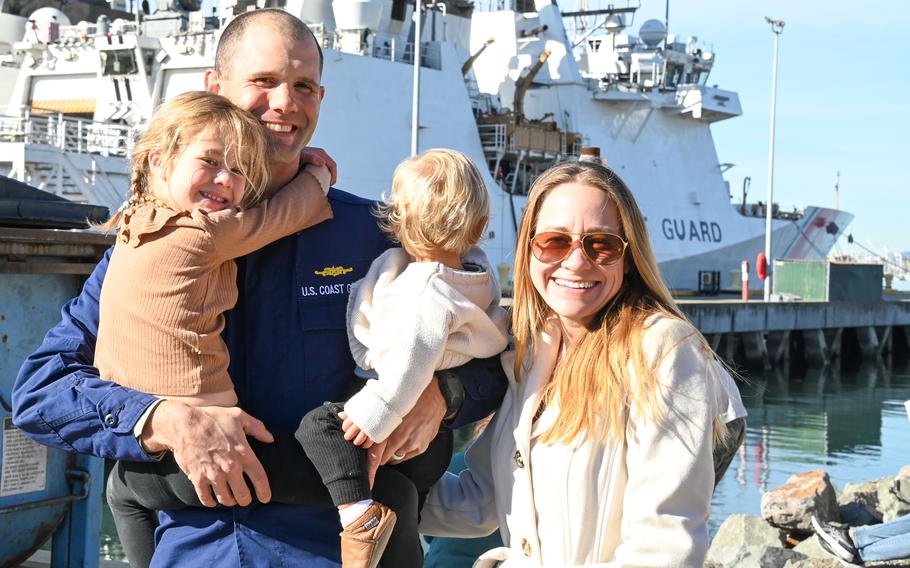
(284, 22)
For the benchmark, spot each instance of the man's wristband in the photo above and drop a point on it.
(452, 392)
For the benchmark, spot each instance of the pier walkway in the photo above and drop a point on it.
(768, 334)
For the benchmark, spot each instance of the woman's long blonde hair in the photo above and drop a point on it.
(592, 382)
(177, 122)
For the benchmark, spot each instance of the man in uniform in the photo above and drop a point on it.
(287, 339)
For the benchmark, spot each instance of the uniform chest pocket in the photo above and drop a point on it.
(323, 289)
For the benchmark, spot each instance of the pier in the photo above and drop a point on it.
(778, 334)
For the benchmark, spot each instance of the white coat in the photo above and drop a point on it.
(640, 501)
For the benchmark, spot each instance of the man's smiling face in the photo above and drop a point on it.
(277, 79)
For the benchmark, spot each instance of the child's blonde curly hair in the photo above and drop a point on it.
(438, 202)
(174, 126)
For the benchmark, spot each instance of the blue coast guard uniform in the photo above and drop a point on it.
(289, 354)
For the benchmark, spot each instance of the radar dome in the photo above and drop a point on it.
(652, 32)
(48, 14)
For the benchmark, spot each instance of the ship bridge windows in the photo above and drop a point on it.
(118, 62)
(677, 75)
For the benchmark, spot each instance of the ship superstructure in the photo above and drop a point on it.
(504, 85)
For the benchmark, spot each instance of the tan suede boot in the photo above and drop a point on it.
(364, 540)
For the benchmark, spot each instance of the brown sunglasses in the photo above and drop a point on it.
(600, 248)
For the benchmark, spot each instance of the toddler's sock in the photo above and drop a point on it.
(353, 511)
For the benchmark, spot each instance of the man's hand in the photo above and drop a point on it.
(353, 433)
(418, 428)
(210, 446)
(319, 157)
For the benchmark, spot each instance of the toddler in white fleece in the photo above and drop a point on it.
(431, 304)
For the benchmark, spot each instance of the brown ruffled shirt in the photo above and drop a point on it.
(170, 279)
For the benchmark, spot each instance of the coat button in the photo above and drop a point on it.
(518, 459)
(526, 548)
(111, 420)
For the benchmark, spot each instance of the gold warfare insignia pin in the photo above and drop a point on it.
(333, 271)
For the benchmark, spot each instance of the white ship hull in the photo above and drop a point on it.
(659, 142)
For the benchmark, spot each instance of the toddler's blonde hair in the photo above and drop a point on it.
(174, 126)
(438, 202)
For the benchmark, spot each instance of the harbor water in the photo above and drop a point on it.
(852, 424)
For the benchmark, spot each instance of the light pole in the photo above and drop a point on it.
(777, 26)
(415, 109)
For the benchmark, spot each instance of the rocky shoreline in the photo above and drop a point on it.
(782, 537)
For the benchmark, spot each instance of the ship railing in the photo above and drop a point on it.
(572, 143)
(494, 138)
(758, 210)
(493, 5)
(502, 138)
(76, 135)
(430, 55)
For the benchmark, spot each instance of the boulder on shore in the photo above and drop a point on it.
(759, 557)
(814, 551)
(858, 503)
(894, 498)
(790, 505)
(814, 563)
(738, 533)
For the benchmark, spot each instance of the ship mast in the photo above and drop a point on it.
(837, 191)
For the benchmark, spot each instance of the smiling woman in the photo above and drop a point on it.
(576, 286)
(601, 454)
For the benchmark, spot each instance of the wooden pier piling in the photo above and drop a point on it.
(776, 334)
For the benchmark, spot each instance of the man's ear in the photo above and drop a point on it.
(212, 81)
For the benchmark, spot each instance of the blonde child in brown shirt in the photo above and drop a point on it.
(195, 204)
(198, 176)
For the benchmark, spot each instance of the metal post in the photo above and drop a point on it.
(744, 269)
(415, 109)
(777, 26)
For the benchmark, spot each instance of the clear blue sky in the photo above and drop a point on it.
(842, 103)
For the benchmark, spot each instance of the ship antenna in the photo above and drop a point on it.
(837, 191)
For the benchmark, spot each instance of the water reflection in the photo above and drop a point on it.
(852, 424)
